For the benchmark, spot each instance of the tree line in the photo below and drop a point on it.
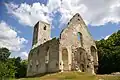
(11, 67)
(109, 54)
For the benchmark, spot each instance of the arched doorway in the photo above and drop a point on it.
(80, 57)
(65, 59)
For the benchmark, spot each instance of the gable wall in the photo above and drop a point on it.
(69, 39)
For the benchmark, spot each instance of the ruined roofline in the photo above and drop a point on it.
(71, 21)
(38, 44)
(41, 22)
(68, 23)
(84, 24)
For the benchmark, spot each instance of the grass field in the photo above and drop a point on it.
(73, 76)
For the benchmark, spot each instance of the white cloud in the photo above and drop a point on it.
(29, 14)
(9, 38)
(94, 12)
(107, 37)
(53, 5)
(24, 55)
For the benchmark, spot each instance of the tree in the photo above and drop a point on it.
(7, 69)
(11, 67)
(4, 54)
(109, 54)
(21, 69)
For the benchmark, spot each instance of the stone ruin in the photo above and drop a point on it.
(74, 50)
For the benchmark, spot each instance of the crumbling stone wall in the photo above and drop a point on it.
(44, 58)
(74, 50)
(69, 40)
(79, 61)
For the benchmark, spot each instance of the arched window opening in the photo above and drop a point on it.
(45, 27)
(47, 55)
(93, 51)
(80, 38)
(65, 58)
(65, 54)
(57, 64)
(30, 64)
(44, 39)
(68, 23)
(35, 34)
(37, 64)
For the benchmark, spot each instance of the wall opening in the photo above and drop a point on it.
(79, 35)
(44, 39)
(93, 51)
(30, 64)
(47, 58)
(65, 58)
(80, 58)
(37, 63)
(44, 27)
(47, 55)
(57, 64)
(35, 34)
(94, 54)
(82, 68)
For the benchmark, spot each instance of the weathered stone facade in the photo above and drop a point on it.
(74, 50)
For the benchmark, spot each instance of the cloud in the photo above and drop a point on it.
(10, 39)
(29, 14)
(93, 12)
(24, 55)
(107, 37)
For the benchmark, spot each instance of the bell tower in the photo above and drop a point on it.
(41, 34)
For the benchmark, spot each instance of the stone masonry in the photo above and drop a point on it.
(74, 50)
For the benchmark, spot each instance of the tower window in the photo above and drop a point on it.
(68, 23)
(60, 63)
(44, 39)
(45, 27)
(88, 66)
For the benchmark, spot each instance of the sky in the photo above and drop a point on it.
(18, 17)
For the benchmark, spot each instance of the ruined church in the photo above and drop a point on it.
(74, 50)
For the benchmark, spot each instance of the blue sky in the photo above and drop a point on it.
(17, 18)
